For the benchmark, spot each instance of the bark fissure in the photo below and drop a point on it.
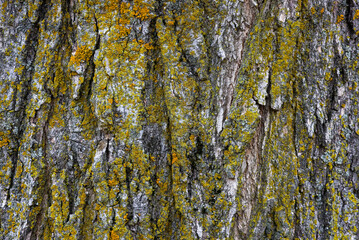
(20, 102)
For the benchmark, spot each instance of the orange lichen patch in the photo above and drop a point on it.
(125, 8)
(141, 10)
(57, 119)
(356, 15)
(122, 29)
(340, 18)
(171, 22)
(193, 139)
(112, 182)
(114, 235)
(3, 139)
(313, 10)
(148, 46)
(82, 54)
(112, 5)
(174, 158)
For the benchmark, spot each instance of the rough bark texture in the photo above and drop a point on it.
(179, 119)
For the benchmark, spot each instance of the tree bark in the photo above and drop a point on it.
(191, 119)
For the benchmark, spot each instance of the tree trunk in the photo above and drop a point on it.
(188, 119)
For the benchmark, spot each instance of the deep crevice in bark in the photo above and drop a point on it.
(349, 14)
(29, 55)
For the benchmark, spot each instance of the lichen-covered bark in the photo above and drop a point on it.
(191, 119)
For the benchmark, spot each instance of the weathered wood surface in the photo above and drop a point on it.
(188, 119)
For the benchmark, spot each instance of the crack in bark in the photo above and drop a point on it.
(29, 55)
(349, 14)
